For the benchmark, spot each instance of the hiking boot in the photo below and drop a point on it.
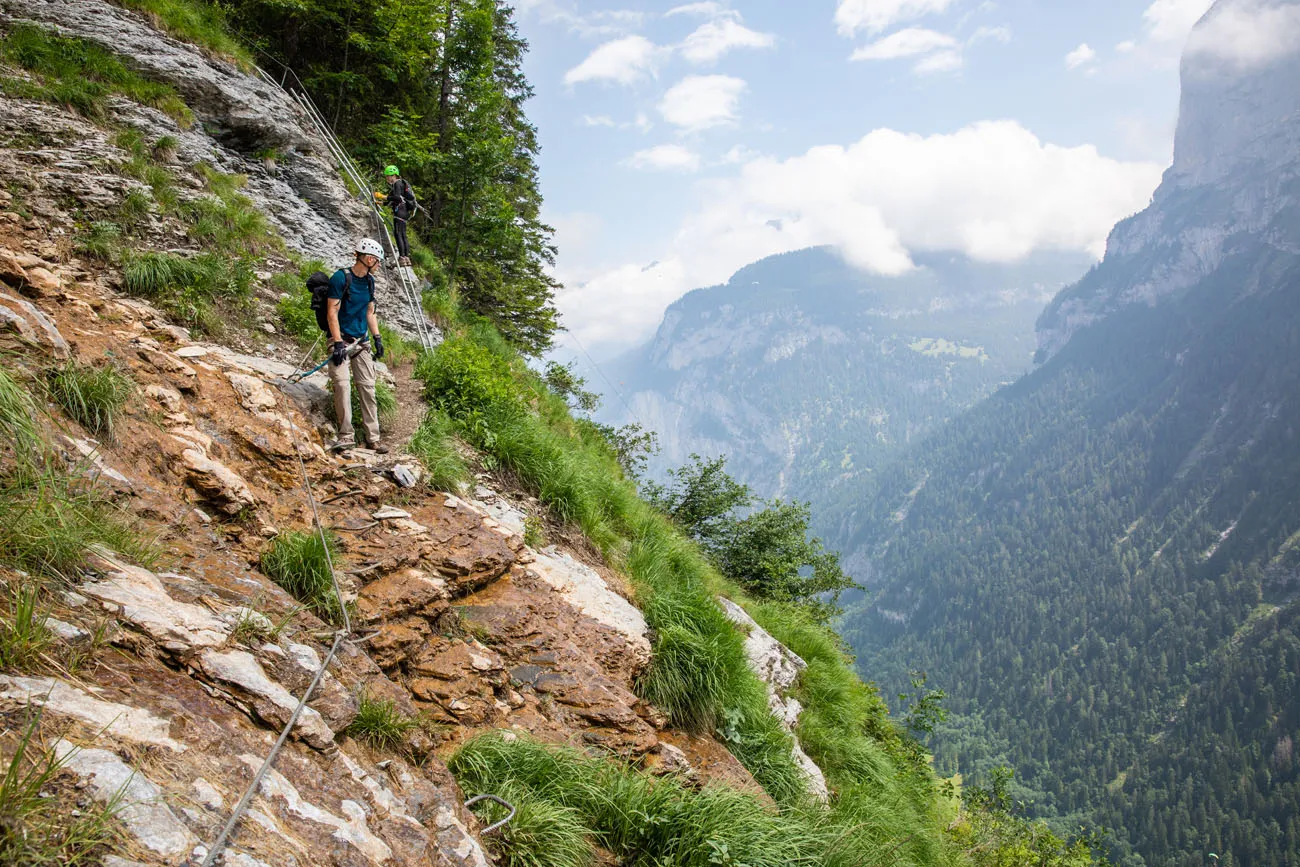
(339, 446)
(378, 447)
(405, 260)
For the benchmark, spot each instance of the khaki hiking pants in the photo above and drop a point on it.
(363, 368)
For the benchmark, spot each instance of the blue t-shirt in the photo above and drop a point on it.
(352, 312)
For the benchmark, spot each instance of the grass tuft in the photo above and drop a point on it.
(638, 818)
(81, 75)
(379, 723)
(18, 418)
(189, 288)
(435, 445)
(101, 240)
(35, 829)
(202, 24)
(92, 396)
(298, 562)
(542, 833)
(24, 638)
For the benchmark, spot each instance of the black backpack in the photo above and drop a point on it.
(318, 284)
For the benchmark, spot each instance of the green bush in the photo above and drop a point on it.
(81, 74)
(300, 563)
(468, 381)
(93, 396)
(434, 444)
(294, 308)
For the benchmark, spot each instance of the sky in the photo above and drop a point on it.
(682, 141)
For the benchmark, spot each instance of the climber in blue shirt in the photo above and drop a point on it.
(350, 314)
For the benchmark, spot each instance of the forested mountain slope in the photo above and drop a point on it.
(808, 373)
(1099, 563)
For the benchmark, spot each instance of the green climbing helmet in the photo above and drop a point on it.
(389, 171)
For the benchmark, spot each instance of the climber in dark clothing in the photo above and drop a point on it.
(401, 199)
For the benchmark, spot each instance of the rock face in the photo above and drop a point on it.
(778, 667)
(1233, 175)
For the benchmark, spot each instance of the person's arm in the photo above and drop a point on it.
(332, 306)
(372, 321)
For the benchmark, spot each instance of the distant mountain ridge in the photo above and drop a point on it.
(1101, 563)
(809, 372)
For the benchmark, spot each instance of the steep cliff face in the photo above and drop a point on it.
(1233, 179)
(188, 669)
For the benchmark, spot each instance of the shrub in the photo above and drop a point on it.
(468, 381)
(434, 444)
(93, 396)
(295, 310)
(300, 563)
(379, 723)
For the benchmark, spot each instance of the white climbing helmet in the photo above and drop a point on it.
(370, 247)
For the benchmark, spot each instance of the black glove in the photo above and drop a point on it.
(379, 348)
(338, 353)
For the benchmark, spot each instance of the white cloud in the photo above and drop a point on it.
(940, 61)
(992, 34)
(715, 38)
(739, 154)
(873, 16)
(1128, 46)
(706, 9)
(937, 52)
(1247, 34)
(598, 120)
(1170, 21)
(622, 61)
(666, 157)
(905, 43)
(699, 102)
(992, 190)
(1080, 56)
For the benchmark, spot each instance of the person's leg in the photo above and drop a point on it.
(399, 234)
(339, 381)
(363, 368)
